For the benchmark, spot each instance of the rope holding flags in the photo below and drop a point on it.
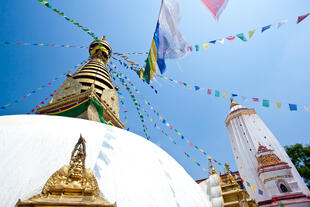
(265, 102)
(137, 106)
(41, 87)
(68, 19)
(126, 66)
(40, 44)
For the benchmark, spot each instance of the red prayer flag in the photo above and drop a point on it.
(215, 6)
(42, 102)
(191, 144)
(230, 38)
(242, 180)
(302, 17)
(214, 160)
(32, 110)
(274, 200)
(209, 91)
(255, 99)
(190, 48)
(46, 99)
(51, 95)
(49, 83)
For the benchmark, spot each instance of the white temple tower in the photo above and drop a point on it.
(262, 162)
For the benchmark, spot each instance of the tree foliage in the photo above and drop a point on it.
(300, 156)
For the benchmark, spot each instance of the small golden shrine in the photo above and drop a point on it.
(71, 185)
(233, 195)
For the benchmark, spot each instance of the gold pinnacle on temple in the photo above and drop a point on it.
(211, 167)
(230, 178)
(233, 103)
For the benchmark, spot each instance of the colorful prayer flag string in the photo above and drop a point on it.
(70, 20)
(41, 44)
(161, 118)
(126, 66)
(41, 87)
(265, 102)
(137, 106)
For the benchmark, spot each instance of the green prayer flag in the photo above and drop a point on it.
(266, 103)
(248, 184)
(220, 163)
(241, 37)
(197, 47)
(281, 204)
(217, 93)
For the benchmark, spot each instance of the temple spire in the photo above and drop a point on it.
(211, 167)
(233, 103)
(230, 178)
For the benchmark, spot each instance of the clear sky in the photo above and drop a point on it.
(272, 65)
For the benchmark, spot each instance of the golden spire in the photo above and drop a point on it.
(233, 103)
(230, 178)
(211, 166)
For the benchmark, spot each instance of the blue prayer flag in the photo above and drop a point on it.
(233, 95)
(213, 41)
(293, 107)
(260, 192)
(266, 27)
(197, 88)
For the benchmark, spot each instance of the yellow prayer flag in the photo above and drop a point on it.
(39, 88)
(151, 119)
(201, 150)
(170, 139)
(251, 33)
(160, 117)
(179, 133)
(165, 78)
(41, 44)
(189, 86)
(145, 102)
(193, 159)
(205, 46)
(72, 20)
(253, 187)
(224, 95)
(44, 2)
(67, 46)
(7, 105)
(278, 105)
(177, 51)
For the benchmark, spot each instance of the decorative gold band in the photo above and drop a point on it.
(239, 114)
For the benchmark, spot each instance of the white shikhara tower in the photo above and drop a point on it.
(262, 161)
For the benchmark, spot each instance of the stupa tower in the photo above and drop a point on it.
(88, 93)
(262, 161)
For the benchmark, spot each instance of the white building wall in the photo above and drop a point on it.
(246, 132)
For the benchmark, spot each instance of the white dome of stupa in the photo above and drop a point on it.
(130, 170)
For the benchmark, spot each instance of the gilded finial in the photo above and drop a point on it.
(211, 167)
(230, 178)
(103, 37)
(233, 103)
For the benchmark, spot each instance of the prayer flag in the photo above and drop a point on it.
(302, 17)
(255, 99)
(293, 107)
(307, 108)
(213, 41)
(216, 7)
(209, 91)
(224, 95)
(241, 37)
(234, 95)
(260, 192)
(251, 33)
(248, 184)
(253, 188)
(266, 27)
(278, 104)
(205, 46)
(281, 204)
(197, 88)
(281, 23)
(217, 93)
(230, 38)
(167, 36)
(266, 103)
(221, 41)
(274, 200)
(197, 47)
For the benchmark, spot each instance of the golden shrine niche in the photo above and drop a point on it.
(71, 185)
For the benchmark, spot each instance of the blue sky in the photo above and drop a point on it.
(272, 65)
